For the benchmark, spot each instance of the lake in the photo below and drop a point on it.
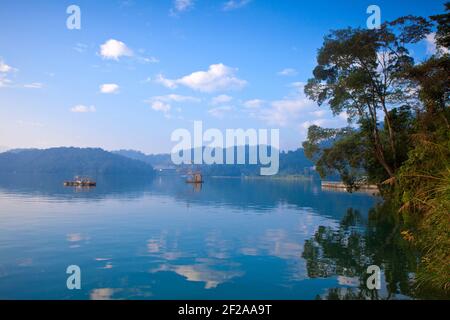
(161, 238)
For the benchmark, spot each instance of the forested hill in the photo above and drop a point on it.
(71, 161)
(95, 161)
(291, 163)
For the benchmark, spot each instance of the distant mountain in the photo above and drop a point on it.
(155, 160)
(71, 161)
(4, 149)
(291, 163)
(132, 154)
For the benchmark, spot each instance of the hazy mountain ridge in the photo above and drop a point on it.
(96, 161)
(291, 163)
(71, 161)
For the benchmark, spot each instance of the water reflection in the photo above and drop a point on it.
(348, 250)
(161, 238)
(208, 271)
(258, 195)
(51, 187)
(103, 293)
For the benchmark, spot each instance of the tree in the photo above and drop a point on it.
(346, 156)
(443, 27)
(370, 72)
(362, 73)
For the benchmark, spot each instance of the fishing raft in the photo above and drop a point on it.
(194, 178)
(80, 182)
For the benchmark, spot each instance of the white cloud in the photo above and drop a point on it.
(4, 82)
(218, 77)
(221, 99)
(114, 49)
(288, 72)
(163, 103)
(171, 84)
(161, 106)
(4, 68)
(34, 85)
(343, 115)
(432, 47)
(175, 98)
(319, 122)
(219, 112)
(299, 86)
(83, 109)
(431, 43)
(235, 4)
(109, 88)
(80, 47)
(143, 58)
(295, 110)
(23, 123)
(318, 113)
(254, 103)
(181, 6)
(148, 59)
(289, 110)
(126, 3)
(285, 110)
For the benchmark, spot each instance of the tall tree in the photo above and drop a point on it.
(361, 72)
(369, 74)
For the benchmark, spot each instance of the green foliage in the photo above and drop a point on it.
(423, 181)
(443, 27)
(424, 191)
(362, 72)
(345, 156)
(348, 250)
(367, 73)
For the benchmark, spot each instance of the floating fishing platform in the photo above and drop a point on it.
(341, 185)
(194, 178)
(80, 182)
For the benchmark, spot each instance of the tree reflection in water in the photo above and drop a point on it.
(347, 251)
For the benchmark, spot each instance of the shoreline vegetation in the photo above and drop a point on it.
(402, 139)
(341, 185)
(292, 177)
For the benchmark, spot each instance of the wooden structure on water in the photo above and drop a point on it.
(194, 178)
(80, 182)
(341, 185)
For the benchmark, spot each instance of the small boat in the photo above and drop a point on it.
(80, 182)
(194, 178)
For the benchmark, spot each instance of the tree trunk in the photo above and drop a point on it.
(379, 153)
(391, 133)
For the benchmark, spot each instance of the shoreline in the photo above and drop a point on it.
(275, 177)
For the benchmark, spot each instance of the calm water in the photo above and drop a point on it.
(164, 239)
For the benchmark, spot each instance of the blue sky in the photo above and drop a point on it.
(137, 70)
